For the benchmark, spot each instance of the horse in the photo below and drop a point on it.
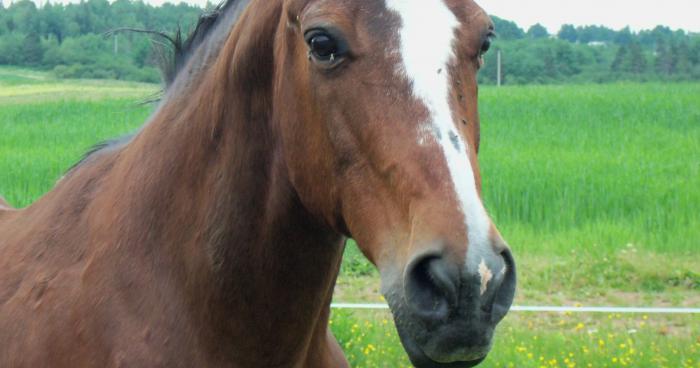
(4, 206)
(213, 236)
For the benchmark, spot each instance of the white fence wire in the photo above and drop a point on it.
(552, 309)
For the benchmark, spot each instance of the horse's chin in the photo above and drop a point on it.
(452, 345)
(421, 360)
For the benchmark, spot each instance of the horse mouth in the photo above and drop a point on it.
(421, 359)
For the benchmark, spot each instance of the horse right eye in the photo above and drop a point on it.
(323, 46)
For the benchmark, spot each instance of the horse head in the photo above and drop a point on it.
(381, 141)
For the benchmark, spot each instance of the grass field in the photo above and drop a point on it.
(46, 125)
(594, 166)
(596, 188)
(536, 341)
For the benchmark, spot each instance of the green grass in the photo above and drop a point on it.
(596, 188)
(628, 277)
(48, 125)
(529, 340)
(10, 76)
(565, 167)
(573, 167)
(38, 144)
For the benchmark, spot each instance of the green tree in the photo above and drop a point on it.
(25, 17)
(32, 50)
(649, 38)
(3, 23)
(695, 51)
(53, 23)
(507, 30)
(680, 54)
(142, 54)
(630, 59)
(568, 33)
(11, 49)
(636, 60)
(663, 64)
(618, 64)
(624, 36)
(566, 59)
(537, 31)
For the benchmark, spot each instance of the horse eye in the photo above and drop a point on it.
(486, 46)
(323, 46)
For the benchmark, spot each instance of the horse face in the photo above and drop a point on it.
(381, 142)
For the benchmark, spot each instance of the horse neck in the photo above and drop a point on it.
(206, 187)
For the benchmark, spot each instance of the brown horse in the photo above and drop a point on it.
(213, 237)
(4, 206)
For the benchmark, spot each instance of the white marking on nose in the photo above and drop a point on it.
(485, 274)
(427, 36)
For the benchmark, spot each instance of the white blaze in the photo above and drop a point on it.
(427, 35)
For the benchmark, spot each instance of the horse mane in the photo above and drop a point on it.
(175, 56)
(172, 63)
(99, 147)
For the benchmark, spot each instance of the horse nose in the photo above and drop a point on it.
(436, 287)
(431, 287)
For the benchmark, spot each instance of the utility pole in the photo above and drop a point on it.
(498, 67)
(116, 43)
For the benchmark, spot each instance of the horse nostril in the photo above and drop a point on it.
(431, 287)
(505, 293)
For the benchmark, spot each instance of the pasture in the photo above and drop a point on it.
(596, 188)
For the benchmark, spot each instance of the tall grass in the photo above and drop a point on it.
(588, 167)
(593, 166)
(39, 142)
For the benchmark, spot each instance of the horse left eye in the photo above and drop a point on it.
(485, 46)
(327, 48)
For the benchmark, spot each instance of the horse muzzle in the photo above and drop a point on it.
(446, 313)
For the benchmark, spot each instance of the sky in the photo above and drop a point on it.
(616, 14)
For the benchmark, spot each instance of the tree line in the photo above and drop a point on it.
(71, 41)
(591, 54)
